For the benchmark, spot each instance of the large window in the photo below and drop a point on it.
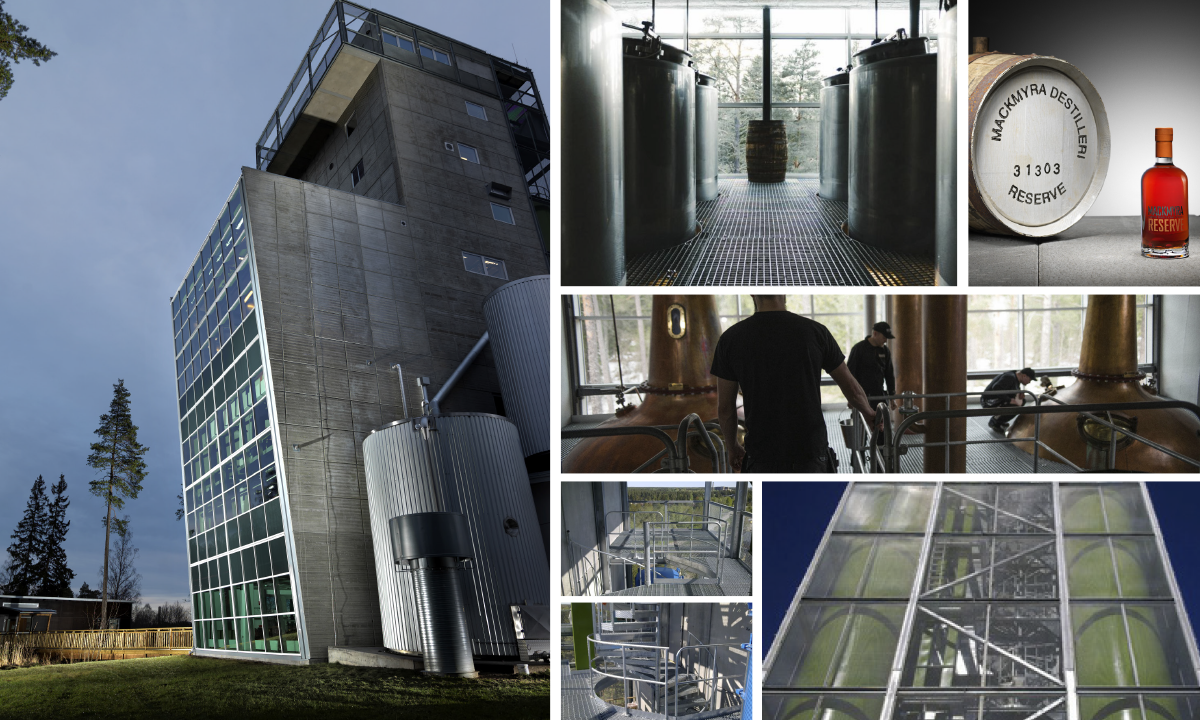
(808, 45)
(1044, 332)
(239, 573)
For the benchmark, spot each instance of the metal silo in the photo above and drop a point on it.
(468, 463)
(518, 320)
(706, 138)
(892, 197)
(835, 136)
(660, 146)
(593, 216)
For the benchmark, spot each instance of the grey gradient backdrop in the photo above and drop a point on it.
(115, 158)
(1143, 58)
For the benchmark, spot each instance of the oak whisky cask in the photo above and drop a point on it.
(1039, 144)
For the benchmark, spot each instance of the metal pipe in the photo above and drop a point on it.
(458, 373)
(914, 18)
(423, 383)
(403, 393)
(766, 54)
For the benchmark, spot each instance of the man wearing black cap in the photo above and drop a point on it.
(870, 362)
(1010, 380)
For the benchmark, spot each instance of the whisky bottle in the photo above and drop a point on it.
(1164, 203)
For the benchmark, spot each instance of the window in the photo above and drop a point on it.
(398, 41)
(476, 111)
(351, 126)
(503, 214)
(435, 54)
(468, 153)
(483, 265)
(357, 173)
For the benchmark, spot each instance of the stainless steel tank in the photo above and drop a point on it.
(592, 147)
(660, 146)
(893, 147)
(706, 138)
(518, 320)
(946, 223)
(835, 136)
(468, 463)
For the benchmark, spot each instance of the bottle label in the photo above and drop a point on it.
(1165, 218)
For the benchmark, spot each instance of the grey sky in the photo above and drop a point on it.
(115, 158)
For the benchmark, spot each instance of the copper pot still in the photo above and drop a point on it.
(1108, 373)
(683, 336)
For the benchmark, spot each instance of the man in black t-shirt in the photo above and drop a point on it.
(1011, 380)
(775, 358)
(870, 362)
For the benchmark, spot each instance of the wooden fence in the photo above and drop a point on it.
(99, 644)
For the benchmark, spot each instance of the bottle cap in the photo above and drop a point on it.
(1162, 142)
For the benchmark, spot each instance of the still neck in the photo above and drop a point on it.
(1110, 336)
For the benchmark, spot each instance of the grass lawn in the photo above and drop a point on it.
(192, 687)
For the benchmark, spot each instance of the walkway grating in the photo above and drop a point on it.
(775, 234)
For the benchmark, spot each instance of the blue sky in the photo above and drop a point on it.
(802, 510)
(115, 158)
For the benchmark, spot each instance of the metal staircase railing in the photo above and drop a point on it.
(627, 651)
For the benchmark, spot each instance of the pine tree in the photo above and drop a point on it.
(87, 592)
(57, 579)
(26, 549)
(118, 459)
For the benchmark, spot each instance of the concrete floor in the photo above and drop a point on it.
(1096, 251)
(775, 234)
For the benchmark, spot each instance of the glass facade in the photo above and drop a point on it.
(242, 587)
(987, 601)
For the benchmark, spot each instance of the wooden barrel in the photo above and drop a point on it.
(1039, 144)
(766, 151)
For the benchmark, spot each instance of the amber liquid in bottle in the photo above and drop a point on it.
(1164, 203)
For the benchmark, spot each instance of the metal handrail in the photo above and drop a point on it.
(608, 533)
(601, 577)
(714, 676)
(660, 530)
(661, 665)
(884, 405)
(1037, 411)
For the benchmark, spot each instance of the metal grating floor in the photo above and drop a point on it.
(996, 458)
(775, 234)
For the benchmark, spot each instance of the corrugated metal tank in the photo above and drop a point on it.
(468, 463)
(593, 145)
(518, 320)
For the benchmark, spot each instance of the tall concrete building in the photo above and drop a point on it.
(401, 180)
(987, 601)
